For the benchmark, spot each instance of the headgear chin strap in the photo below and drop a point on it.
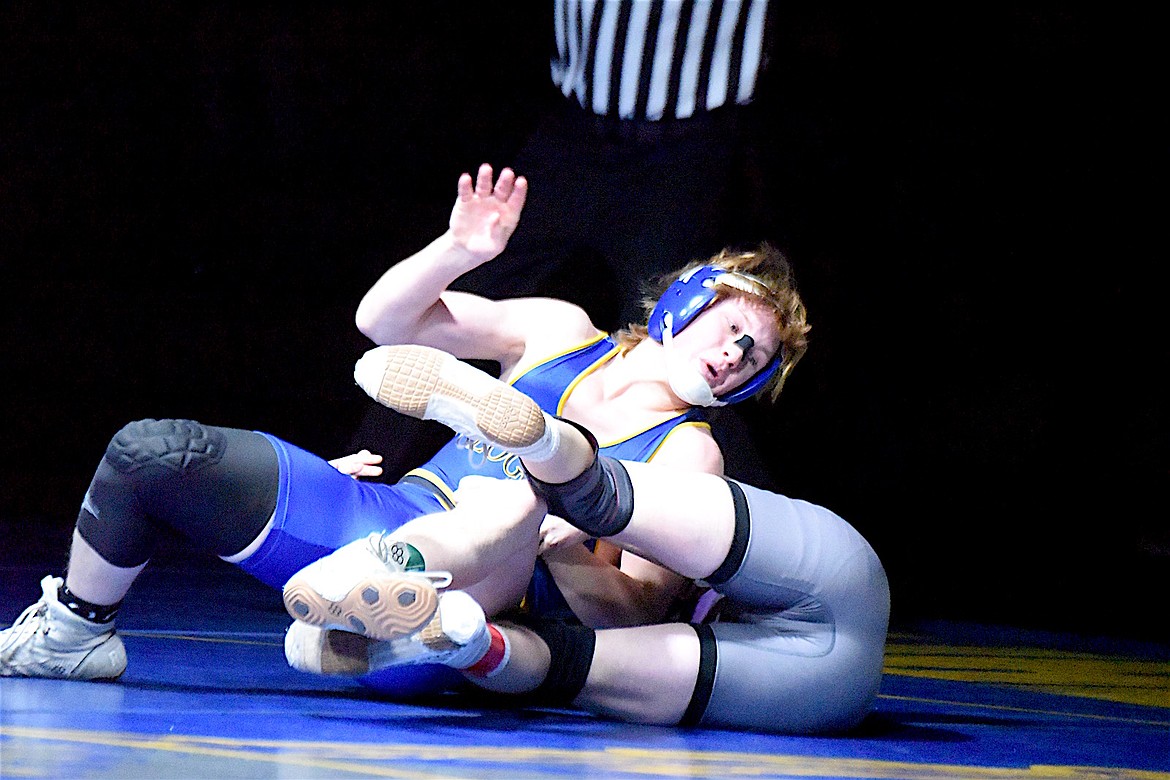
(685, 380)
(686, 297)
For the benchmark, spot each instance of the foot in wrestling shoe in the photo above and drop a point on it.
(430, 384)
(49, 640)
(365, 588)
(328, 651)
(456, 636)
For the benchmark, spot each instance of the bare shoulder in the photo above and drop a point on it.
(552, 315)
(548, 326)
(691, 446)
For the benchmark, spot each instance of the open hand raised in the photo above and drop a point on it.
(484, 216)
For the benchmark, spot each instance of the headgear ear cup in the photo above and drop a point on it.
(683, 300)
(755, 384)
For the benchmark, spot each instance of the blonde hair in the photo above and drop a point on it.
(763, 274)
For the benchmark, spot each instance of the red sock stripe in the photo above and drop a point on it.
(494, 659)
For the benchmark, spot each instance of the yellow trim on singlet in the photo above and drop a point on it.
(608, 356)
(554, 356)
(693, 423)
(445, 495)
(601, 361)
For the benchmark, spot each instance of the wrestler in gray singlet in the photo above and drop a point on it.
(800, 638)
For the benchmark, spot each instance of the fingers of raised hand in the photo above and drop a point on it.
(483, 181)
(464, 189)
(519, 193)
(509, 188)
(505, 184)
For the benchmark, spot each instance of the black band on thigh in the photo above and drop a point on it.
(572, 649)
(217, 486)
(708, 658)
(739, 539)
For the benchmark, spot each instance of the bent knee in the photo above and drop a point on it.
(176, 445)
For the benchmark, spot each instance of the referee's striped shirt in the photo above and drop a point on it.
(655, 59)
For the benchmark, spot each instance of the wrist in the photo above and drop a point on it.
(460, 252)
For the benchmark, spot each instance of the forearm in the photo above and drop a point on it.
(397, 307)
(603, 596)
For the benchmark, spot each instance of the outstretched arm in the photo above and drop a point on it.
(410, 303)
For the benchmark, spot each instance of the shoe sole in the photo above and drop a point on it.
(345, 654)
(416, 374)
(383, 607)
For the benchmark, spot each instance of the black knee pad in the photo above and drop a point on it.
(118, 518)
(216, 486)
(599, 501)
(571, 646)
(173, 444)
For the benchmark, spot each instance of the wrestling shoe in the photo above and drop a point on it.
(430, 384)
(349, 589)
(48, 640)
(457, 636)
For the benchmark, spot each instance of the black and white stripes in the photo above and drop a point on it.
(656, 59)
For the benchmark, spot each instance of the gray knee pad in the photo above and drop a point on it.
(599, 501)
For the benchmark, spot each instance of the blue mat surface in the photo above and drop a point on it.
(208, 695)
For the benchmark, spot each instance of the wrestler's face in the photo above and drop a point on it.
(729, 341)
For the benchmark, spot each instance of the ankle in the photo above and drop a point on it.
(495, 658)
(547, 446)
(98, 614)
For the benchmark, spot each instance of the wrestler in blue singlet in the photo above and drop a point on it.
(319, 509)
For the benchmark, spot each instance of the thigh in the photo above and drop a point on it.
(644, 674)
(319, 509)
(504, 588)
(806, 614)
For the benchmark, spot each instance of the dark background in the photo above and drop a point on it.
(193, 197)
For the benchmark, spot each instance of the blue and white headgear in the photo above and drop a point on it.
(686, 297)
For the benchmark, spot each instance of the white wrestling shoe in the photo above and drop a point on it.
(430, 384)
(456, 636)
(350, 590)
(48, 640)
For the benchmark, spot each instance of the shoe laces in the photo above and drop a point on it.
(382, 546)
(33, 619)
